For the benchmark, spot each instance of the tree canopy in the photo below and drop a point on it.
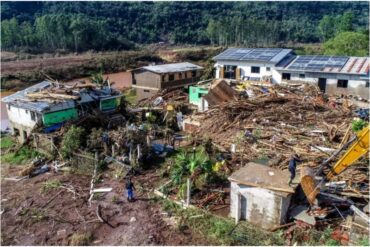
(348, 43)
(80, 26)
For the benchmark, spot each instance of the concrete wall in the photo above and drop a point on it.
(147, 79)
(144, 93)
(264, 208)
(355, 85)
(21, 120)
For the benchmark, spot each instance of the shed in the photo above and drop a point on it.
(260, 195)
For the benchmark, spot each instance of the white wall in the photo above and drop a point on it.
(265, 208)
(245, 68)
(21, 116)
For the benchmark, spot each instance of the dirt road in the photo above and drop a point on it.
(34, 217)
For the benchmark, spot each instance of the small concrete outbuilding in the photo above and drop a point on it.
(260, 195)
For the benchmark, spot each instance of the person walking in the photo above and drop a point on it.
(130, 190)
(292, 167)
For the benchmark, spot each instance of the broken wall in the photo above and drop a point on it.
(263, 208)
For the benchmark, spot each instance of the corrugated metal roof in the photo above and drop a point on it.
(271, 55)
(21, 100)
(173, 67)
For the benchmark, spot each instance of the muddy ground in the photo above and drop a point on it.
(32, 216)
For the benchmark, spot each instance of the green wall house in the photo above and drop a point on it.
(196, 93)
(51, 118)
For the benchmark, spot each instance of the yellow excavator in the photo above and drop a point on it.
(358, 146)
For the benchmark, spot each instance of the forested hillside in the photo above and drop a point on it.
(81, 26)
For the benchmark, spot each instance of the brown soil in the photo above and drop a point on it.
(32, 64)
(31, 217)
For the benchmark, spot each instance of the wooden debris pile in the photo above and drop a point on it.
(274, 125)
(173, 96)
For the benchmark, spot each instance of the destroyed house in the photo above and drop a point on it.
(50, 105)
(332, 74)
(148, 80)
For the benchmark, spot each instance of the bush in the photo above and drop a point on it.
(81, 239)
(6, 142)
(72, 140)
(23, 155)
(358, 125)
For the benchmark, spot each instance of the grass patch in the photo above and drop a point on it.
(23, 155)
(50, 185)
(219, 230)
(81, 239)
(130, 96)
(6, 141)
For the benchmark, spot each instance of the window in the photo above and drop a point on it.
(15, 132)
(255, 70)
(342, 83)
(171, 77)
(146, 91)
(193, 73)
(33, 116)
(26, 111)
(180, 75)
(186, 74)
(302, 76)
(367, 84)
(9, 106)
(268, 68)
(163, 78)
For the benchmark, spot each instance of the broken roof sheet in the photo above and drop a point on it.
(262, 176)
(20, 99)
(271, 55)
(330, 64)
(173, 67)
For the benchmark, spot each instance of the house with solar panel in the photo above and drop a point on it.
(332, 74)
(251, 64)
(148, 80)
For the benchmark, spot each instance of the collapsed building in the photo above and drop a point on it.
(49, 105)
(332, 74)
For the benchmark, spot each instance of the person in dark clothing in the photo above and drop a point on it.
(292, 166)
(130, 190)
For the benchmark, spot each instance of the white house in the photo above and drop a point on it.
(333, 74)
(260, 195)
(249, 64)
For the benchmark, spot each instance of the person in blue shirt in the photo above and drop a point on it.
(292, 166)
(130, 190)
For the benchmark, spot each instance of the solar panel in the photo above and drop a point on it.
(318, 63)
(258, 54)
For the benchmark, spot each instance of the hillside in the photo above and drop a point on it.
(81, 26)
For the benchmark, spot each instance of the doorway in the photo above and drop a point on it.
(286, 76)
(322, 84)
(243, 207)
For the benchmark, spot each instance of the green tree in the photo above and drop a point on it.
(348, 44)
(327, 27)
(345, 22)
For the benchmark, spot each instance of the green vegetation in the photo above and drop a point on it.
(49, 185)
(6, 141)
(348, 43)
(72, 140)
(22, 156)
(358, 125)
(364, 241)
(219, 230)
(81, 26)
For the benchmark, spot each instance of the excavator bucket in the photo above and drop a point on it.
(309, 185)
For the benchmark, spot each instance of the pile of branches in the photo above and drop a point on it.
(274, 125)
(173, 96)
